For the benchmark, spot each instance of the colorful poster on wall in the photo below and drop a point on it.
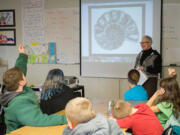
(7, 18)
(41, 53)
(52, 57)
(34, 33)
(7, 37)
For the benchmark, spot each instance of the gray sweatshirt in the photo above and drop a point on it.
(100, 125)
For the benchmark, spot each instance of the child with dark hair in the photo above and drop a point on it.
(166, 101)
(55, 94)
(20, 103)
(136, 92)
(140, 118)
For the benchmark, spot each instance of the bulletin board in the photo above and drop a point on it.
(54, 25)
(171, 34)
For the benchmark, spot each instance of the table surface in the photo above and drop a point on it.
(50, 130)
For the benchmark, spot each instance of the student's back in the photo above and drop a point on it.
(57, 101)
(136, 92)
(140, 119)
(99, 125)
(143, 122)
(24, 110)
(55, 94)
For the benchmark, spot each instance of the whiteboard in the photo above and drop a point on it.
(171, 34)
(62, 27)
(43, 26)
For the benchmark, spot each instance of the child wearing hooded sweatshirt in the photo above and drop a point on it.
(20, 103)
(83, 121)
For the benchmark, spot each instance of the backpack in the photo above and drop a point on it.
(172, 121)
(172, 130)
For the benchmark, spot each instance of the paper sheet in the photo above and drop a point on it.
(143, 77)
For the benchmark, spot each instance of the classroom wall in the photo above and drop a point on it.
(108, 88)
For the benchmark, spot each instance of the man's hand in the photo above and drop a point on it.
(141, 68)
(21, 49)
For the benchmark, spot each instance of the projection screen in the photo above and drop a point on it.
(111, 31)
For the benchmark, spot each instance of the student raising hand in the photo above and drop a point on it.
(21, 49)
(152, 100)
(168, 101)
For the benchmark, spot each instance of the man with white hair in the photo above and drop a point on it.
(150, 62)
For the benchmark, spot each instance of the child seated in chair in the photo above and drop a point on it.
(140, 118)
(83, 121)
(165, 102)
(20, 103)
(136, 92)
(55, 94)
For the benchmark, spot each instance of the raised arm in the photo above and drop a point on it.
(151, 101)
(21, 61)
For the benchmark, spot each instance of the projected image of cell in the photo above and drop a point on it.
(113, 28)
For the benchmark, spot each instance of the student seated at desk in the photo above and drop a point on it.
(20, 103)
(83, 121)
(136, 92)
(165, 101)
(140, 119)
(55, 94)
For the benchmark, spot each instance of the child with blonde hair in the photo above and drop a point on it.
(140, 118)
(82, 120)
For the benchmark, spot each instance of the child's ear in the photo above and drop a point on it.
(70, 124)
(93, 113)
(21, 83)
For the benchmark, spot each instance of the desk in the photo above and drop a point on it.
(27, 130)
(75, 88)
(50, 130)
(79, 88)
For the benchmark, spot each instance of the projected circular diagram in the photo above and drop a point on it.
(113, 28)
